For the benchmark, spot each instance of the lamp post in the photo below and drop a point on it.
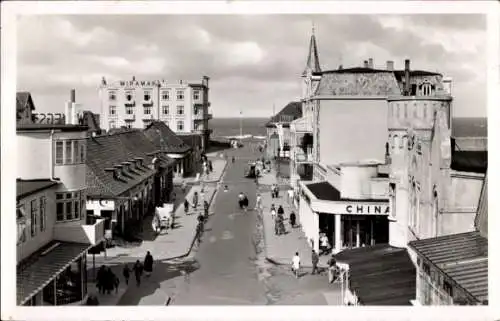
(278, 163)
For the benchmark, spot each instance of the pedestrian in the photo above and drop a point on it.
(273, 212)
(206, 206)
(195, 200)
(314, 261)
(184, 187)
(332, 268)
(100, 279)
(126, 273)
(258, 203)
(138, 272)
(272, 191)
(324, 244)
(296, 264)
(281, 211)
(210, 166)
(186, 206)
(226, 189)
(277, 191)
(199, 232)
(241, 198)
(292, 219)
(232, 159)
(245, 203)
(116, 282)
(148, 264)
(290, 195)
(109, 280)
(92, 300)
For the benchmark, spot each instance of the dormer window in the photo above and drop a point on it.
(427, 89)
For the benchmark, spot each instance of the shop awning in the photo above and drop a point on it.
(380, 274)
(39, 269)
(463, 257)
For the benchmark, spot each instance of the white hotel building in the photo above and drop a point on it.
(183, 106)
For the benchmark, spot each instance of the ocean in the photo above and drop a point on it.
(230, 127)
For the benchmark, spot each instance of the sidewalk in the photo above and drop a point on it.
(219, 166)
(281, 248)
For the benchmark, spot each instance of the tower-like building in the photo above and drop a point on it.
(182, 106)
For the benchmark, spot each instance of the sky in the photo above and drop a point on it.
(253, 61)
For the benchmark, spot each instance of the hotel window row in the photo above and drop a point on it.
(129, 110)
(70, 152)
(165, 95)
(417, 111)
(69, 205)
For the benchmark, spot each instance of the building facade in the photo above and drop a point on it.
(54, 233)
(182, 106)
(399, 178)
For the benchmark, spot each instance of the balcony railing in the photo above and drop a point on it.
(91, 233)
(129, 117)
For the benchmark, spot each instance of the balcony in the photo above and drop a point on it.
(302, 125)
(147, 103)
(130, 104)
(129, 117)
(90, 233)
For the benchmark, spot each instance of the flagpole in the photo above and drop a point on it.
(241, 124)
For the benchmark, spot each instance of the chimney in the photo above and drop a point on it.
(390, 65)
(407, 77)
(365, 63)
(341, 67)
(73, 95)
(447, 85)
(370, 63)
(68, 112)
(114, 170)
(120, 170)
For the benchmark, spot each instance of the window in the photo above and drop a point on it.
(448, 288)
(426, 89)
(180, 110)
(59, 152)
(76, 152)
(147, 110)
(112, 124)
(112, 110)
(147, 95)
(128, 125)
(82, 151)
(34, 214)
(68, 206)
(165, 95)
(129, 110)
(67, 156)
(43, 214)
(180, 94)
(128, 95)
(165, 109)
(196, 94)
(112, 95)
(180, 125)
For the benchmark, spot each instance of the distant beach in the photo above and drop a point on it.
(227, 128)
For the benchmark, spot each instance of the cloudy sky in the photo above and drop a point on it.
(253, 60)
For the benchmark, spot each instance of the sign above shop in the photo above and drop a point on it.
(141, 83)
(351, 208)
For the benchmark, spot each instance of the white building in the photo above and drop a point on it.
(183, 106)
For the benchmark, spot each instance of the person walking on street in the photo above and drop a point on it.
(210, 166)
(332, 268)
(126, 273)
(100, 279)
(324, 244)
(116, 282)
(314, 261)
(109, 280)
(195, 200)
(232, 159)
(184, 187)
(292, 219)
(186, 206)
(296, 264)
(273, 212)
(148, 264)
(241, 198)
(245, 203)
(138, 272)
(258, 203)
(206, 207)
(281, 211)
(199, 232)
(272, 190)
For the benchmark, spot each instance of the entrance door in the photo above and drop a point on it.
(349, 231)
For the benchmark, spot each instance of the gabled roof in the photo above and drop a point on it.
(106, 151)
(164, 138)
(22, 100)
(292, 111)
(27, 187)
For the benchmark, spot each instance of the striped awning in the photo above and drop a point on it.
(45, 265)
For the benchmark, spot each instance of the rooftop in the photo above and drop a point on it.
(28, 187)
(289, 113)
(380, 274)
(326, 192)
(164, 138)
(22, 99)
(463, 257)
(61, 127)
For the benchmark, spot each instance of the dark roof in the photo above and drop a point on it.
(61, 127)
(35, 272)
(463, 257)
(399, 74)
(164, 138)
(380, 274)
(192, 140)
(469, 127)
(326, 192)
(452, 248)
(28, 187)
(313, 57)
(469, 161)
(22, 100)
(106, 151)
(288, 114)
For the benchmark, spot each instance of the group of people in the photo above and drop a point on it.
(278, 215)
(275, 191)
(107, 281)
(333, 270)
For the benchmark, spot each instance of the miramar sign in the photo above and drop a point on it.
(140, 83)
(351, 208)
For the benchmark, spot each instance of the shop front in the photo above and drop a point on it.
(347, 223)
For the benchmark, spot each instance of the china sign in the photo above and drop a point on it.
(351, 208)
(367, 209)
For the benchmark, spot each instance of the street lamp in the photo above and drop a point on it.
(278, 173)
